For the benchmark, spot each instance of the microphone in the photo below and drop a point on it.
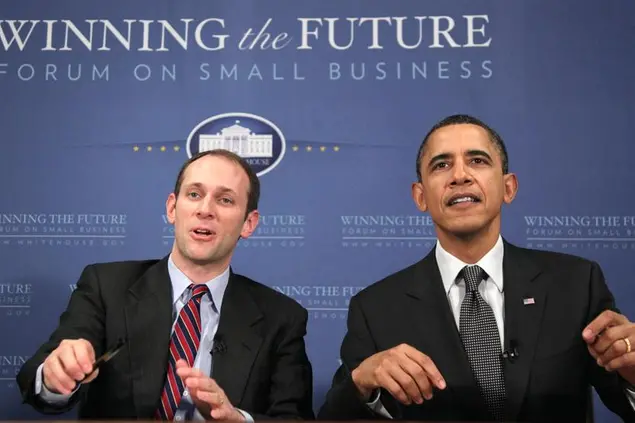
(511, 353)
(219, 346)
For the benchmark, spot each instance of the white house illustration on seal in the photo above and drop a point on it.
(239, 140)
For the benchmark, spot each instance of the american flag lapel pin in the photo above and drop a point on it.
(528, 301)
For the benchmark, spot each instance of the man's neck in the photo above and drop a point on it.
(199, 273)
(468, 249)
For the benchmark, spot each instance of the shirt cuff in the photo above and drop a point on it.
(196, 415)
(246, 415)
(630, 394)
(375, 404)
(45, 394)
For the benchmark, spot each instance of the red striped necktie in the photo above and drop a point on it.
(184, 344)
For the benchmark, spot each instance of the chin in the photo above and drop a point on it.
(198, 260)
(466, 228)
(466, 234)
(202, 257)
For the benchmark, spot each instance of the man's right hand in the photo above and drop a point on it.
(69, 363)
(408, 374)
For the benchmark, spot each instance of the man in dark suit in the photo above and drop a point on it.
(201, 342)
(480, 329)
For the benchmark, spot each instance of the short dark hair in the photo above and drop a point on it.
(253, 195)
(466, 119)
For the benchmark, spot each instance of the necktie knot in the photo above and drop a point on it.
(473, 276)
(198, 290)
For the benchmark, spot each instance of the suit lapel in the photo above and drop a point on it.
(525, 299)
(437, 335)
(148, 316)
(239, 329)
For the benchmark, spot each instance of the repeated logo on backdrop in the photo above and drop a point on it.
(388, 231)
(580, 233)
(15, 299)
(37, 229)
(324, 302)
(9, 367)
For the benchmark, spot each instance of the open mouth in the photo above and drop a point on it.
(203, 233)
(463, 199)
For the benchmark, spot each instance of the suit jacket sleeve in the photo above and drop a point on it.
(343, 401)
(83, 318)
(609, 385)
(291, 393)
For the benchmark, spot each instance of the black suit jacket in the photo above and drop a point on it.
(264, 369)
(550, 379)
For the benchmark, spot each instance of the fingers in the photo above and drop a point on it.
(593, 353)
(214, 399)
(205, 390)
(202, 383)
(618, 348)
(409, 375)
(55, 377)
(422, 386)
(428, 365)
(398, 382)
(605, 320)
(219, 406)
(624, 360)
(182, 364)
(208, 396)
(224, 413)
(91, 377)
(188, 374)
(611, 335)
(84, 355)
(185, 371)
(394, 388)
(611, 343)
(68, 364)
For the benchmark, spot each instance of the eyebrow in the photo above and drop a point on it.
(222, 189)
(193, 185)
(469, 153)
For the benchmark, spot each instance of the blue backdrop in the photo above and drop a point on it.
(103, 101)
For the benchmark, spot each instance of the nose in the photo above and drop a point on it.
(206, 208)
(460, 175)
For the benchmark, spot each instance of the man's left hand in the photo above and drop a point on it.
(209, 398)
(610, 338)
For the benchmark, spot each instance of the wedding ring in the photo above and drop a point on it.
(628, 344)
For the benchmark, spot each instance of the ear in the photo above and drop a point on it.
(170, 208)
(418, 196)
(510, 184)
(249, 226)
